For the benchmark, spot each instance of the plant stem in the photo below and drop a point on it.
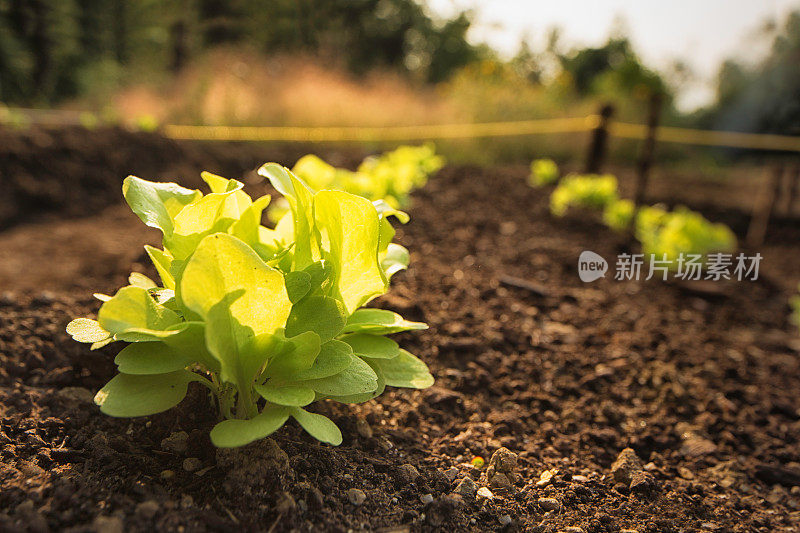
(244, 402)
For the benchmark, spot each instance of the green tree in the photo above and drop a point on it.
(764, 98)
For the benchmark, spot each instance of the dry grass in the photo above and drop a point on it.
(240, 88)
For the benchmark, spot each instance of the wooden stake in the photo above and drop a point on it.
(598, 145)
(793, 177)
(762, 210)
(648, 150)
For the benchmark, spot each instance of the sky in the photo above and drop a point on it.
(701, 33)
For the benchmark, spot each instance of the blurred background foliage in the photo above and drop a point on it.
(353, 62)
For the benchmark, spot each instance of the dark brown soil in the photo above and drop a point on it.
(74, 171)
(703, 387)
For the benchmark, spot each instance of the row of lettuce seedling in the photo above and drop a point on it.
(663, 233)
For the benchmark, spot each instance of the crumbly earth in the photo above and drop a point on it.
(701, 385)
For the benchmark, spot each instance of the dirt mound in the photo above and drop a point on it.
(72, 172)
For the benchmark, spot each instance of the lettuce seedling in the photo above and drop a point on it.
(543, 172)
(390, 177)
(269, 320)
(393, 175)
(584, 191)
(619, 214)
(681, 231)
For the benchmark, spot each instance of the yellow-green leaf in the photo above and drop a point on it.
(235, 433)
(349, 230)
(128, 395)
(239, 297)
(318, 426)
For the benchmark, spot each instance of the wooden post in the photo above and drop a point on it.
(762, 210)
(648, 150)
(793, 178)
(597, 147)
(180, 49)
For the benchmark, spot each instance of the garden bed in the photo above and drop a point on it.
(564, 374)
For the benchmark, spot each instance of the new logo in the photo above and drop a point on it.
(591, 266)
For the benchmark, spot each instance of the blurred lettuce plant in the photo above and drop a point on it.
(618, 215)
(543, 172)
(681, 231)
(584, 191)
(390, 177)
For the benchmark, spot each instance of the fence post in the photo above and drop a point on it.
(648, 149)
(597, 147)
(793, 178)
(762, 210)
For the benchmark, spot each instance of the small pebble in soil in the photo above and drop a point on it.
(485, 493)
(147, 509)
(501, 472)
(426, 498)
(407, 473)
(190, 464)
(108, 524)
(625, 465)
(451, 473)
(175, 443)
(642, 482)
(186, 501)
(29, 469)
(695, 446)
(7, 298)
(363, 428)
(167, 475)
(504, 520)
(466, 488)
(44, 298)
(77, 395)
(685, 473)
(503, 460)
(285, 503)
(580, 479)
(573, 529)
(545, 477)
(549, 504)
(356, 496)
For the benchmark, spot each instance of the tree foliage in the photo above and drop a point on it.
(54, 49)
(764, 98)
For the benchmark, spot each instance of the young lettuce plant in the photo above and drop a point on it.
(584, 191)
(268, 320)
(543, 172)
(390, 177)
(681, 231)
(393, 175)
(618, 215)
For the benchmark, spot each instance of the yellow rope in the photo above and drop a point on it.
(446, 131)
(486, 129)
(757, 141)
(379, 133)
